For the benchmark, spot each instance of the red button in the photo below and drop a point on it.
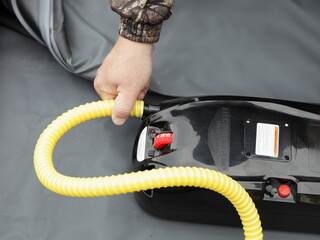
(284, 191)
(162, 139)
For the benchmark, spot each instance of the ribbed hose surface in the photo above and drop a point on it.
(136, 181)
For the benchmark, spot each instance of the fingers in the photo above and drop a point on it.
(123, 105)
(142, 94)
(102, 88)
(124, 99)
(124, 76)
(106, 96)
(124, 102)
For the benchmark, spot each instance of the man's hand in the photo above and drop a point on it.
(125, 75)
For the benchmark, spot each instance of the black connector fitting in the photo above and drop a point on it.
(150, 109)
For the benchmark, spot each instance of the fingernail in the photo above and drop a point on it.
(119, 121)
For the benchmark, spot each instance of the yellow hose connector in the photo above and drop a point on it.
(136, 181)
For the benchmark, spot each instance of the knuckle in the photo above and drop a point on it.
(122, 112)
(98, 80)
(99, 72)
(97, 85)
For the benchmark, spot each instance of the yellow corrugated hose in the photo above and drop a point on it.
(136, 181)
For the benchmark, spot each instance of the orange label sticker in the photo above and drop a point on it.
(267, 140)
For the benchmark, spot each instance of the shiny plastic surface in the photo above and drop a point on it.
(222, 135)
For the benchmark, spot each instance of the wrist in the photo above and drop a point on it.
(125, 45)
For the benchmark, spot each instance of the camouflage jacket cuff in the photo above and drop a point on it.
(139, 32)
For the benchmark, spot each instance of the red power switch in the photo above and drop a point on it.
(284, 191)
(162, 139)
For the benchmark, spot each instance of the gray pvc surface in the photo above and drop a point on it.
(34, 90)
(215, 47)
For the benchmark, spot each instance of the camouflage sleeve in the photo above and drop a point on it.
(141, 20)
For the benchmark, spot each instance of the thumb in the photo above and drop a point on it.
(123, 105)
